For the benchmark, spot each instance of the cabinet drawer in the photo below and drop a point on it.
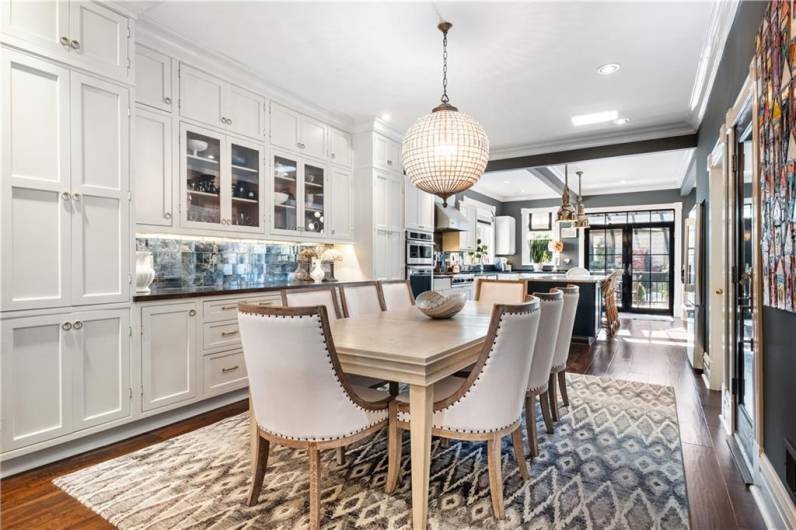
(220, 335)
(224, 372)
(227, 309)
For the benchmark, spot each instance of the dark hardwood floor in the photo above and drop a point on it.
(651, 351)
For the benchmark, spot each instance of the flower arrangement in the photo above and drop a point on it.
(556, 245)
(331, 255)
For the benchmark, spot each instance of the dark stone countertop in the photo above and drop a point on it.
(174, 293)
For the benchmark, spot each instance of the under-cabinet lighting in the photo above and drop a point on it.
(596, 117)
(608, 69)
(216, 239)
(621, 121)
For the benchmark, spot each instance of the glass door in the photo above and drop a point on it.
(285, 195)
(314, 199)
(246, 187)
(202, 178)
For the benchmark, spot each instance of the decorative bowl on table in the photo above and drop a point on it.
(280, 197)
(436, 305)
(197, 146)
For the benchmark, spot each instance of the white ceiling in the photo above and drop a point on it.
(650, 171)
(522, 69)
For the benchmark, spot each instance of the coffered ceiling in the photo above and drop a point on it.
(522, 69)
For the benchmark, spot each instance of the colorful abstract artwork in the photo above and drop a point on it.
(775, 63)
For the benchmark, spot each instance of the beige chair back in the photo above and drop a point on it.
(397, 294)
(570, 307)
(501, 291)
(552, 304)
(361, 299)
(314, 296)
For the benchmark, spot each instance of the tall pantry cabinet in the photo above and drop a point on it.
(65, 252)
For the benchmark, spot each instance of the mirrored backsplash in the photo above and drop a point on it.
(184, 262)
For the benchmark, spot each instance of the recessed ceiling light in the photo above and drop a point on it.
(608, 69)
(386, 116)
(596, 117)
(622, 182)
(522, 191)
(506, 182)
(622, 121)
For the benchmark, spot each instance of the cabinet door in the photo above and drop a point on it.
(152, 168)
(386, 153)
(396, 255)
(36, 206)
(101, 367)
(314, 203)
(340, 147)
(168, 354)
(246, 174)
(45, 25)
(312, 137)
(286, 192)
(284, 127)
(468, 238)
(411, 205)
(388, 200)
(36, 379)
(100, 145)
(99, 38)
(244, 112)
(425, 211)
(152, 78)
(341, 208)
(201, 96)
(381, 249)
(202, 159)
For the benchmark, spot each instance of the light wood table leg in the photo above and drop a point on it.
(421, 402)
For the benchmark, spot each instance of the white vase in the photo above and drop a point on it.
(317, 273)
(144, 271)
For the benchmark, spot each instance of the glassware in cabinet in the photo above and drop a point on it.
(285, 191)
(203, 178)
(245, 187)
(314, 200)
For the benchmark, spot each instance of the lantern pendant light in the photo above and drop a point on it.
(582, 220)
(566, 212)
(445, 152)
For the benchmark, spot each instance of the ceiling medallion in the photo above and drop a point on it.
(445, 152)
(581, 221)
(566, 212)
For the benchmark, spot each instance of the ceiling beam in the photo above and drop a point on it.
(671, 143)
(550, 178)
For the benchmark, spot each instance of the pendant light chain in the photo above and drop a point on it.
(445, 98)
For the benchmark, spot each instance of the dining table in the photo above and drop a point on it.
(406, 346)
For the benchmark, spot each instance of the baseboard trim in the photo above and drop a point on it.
(771, 497)
(117, 434)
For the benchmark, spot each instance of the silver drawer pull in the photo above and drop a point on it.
(230, 369)
(228, 333)
(229, 307)
(265, 303)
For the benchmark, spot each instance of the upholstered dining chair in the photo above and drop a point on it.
(487, 405)
(570, 307)
(361, 299)
(396, 294)
(544, 349)
(501, 291)
(301, 400)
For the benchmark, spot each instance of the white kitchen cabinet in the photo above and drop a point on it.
(419, 208)
(36, 379)
(505, 244)
(299, 192)
(388, 254)
(223, 372)
(468, 238)
(153, 168)
(64, 187)
(86, 34)
(312, 137)
(100, 367)
(340, 150)
(297, 132)
(342, 204)
(222, 181)
(388, 200)
(100, 182)
(211, 100)
(168, 354)
(153, 78)
(386, 153)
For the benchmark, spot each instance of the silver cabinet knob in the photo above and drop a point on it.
(389, 162)
(332, 155)
(192, 313)
(229, 121)
(300, 145)
(75, 196)
(75, 44)
(77, 324)
(167, 215)
(66, 326)
(66, 195)
(64, 41)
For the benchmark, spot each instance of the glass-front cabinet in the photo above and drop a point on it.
(299, 197)
(222, 181)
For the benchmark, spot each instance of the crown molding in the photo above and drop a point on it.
(688, 181)
(376, 124)
(153, 35)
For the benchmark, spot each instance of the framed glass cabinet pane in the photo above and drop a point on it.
(245, 171)
(284, 192)
(314, 189)
(203, 178)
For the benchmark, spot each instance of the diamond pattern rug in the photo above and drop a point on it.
(614, 462)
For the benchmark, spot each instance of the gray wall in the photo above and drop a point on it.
(571, 246)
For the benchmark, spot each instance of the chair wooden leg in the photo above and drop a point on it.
(519, 453)
(444, 442)
(393, 388)
(260, 453)
(314, 456)
(340, 453)
(562, 385)
(544, 403)
(551, 389)
(394, 449)
(495, 476)
(530, 424)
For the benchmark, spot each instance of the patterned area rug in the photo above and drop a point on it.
(613, 462)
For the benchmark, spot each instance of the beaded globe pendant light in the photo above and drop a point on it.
(581, 220)
(566, 212)
(445, 152)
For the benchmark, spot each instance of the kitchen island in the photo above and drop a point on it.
(590, 303)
